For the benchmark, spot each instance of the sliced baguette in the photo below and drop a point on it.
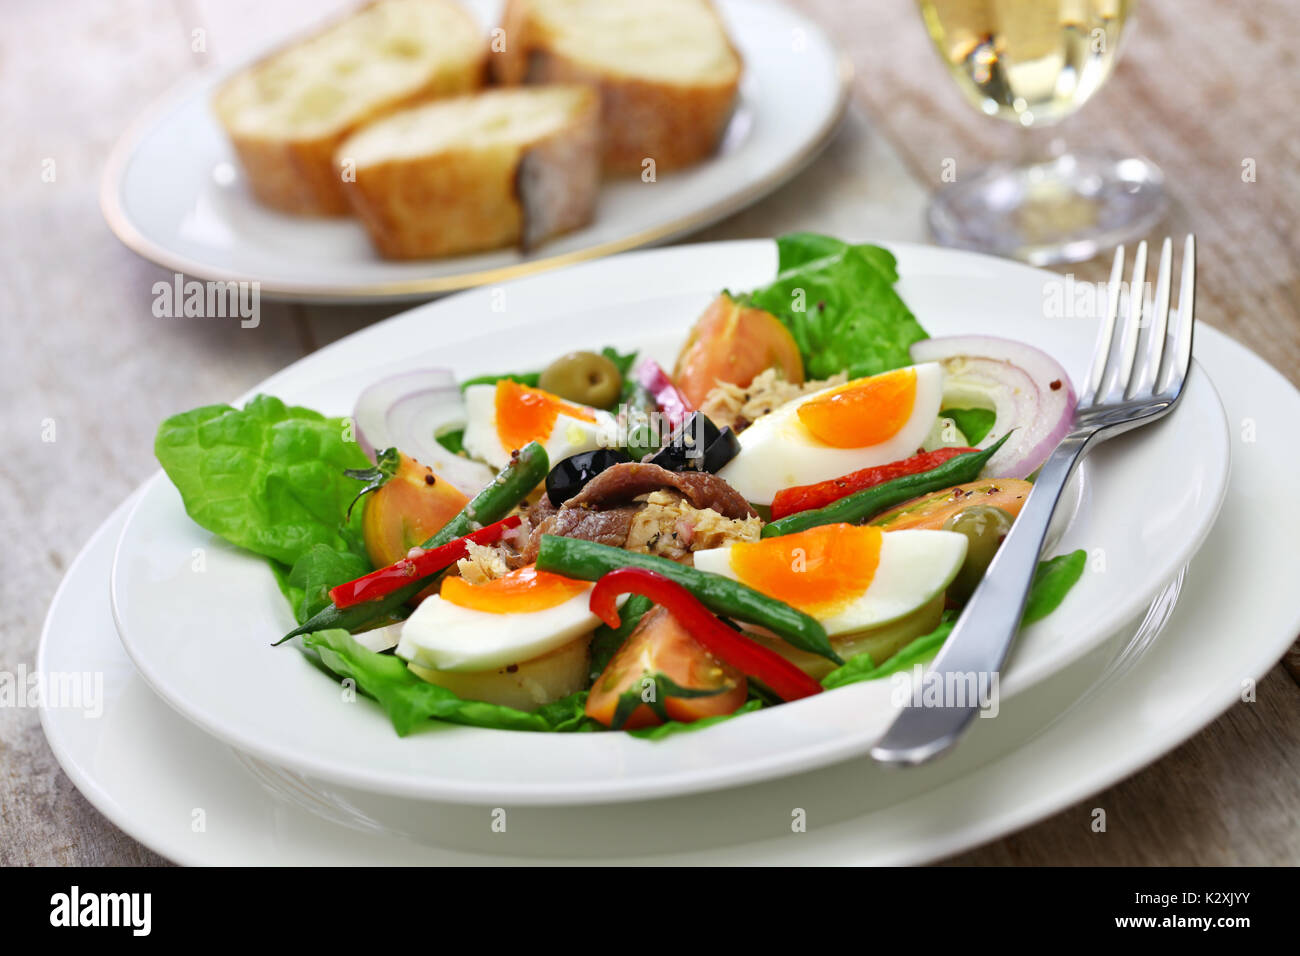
(477, 172)
(666, 71)
(287, 113)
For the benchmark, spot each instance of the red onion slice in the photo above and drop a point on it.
(651, 376)
(406, 412)
(1027, 389)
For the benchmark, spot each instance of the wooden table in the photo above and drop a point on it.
(1202, 88)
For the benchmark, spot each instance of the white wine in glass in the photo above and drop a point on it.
(1032, 63)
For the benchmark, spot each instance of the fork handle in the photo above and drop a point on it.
(988, 624)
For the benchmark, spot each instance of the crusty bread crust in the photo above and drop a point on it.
(296, 174)
(673, 124)
(558, 179)
(290, 176)
(299, 176)
(508, 65)
(439, 205)
(470, 198)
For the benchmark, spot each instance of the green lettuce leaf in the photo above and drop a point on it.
(861, 667)
(839, 303)
(1052, 582)
(973, 423)
(411, 702)
(268, 477)
(453, 439)
(568, 715)
(315, 573)
(523, 378)
(623, 361)
(672, 727)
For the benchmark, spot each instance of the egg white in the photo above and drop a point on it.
(448, 637)
(570, 436)
(778, 451)
(915, 565)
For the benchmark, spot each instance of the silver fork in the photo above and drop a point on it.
(1123, 390)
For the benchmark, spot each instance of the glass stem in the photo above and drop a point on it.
(1040, 144)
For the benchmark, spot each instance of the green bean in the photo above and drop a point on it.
(869, 502)
(525, 472)
(588, 561)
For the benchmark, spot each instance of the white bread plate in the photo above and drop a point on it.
(175, 192)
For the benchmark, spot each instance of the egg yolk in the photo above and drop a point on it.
(519, 592)
(818, 571)
(528, 414)
(866, 411)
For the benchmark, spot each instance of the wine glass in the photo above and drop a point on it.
(1032, 63)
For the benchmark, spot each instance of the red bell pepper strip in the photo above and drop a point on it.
(671, 402)
(790, 501)
(780, 676)
(385, 581)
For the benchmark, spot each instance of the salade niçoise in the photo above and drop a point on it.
(804, 500)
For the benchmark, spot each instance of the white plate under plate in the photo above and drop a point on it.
(173, 191)
(149, 771)
(203, 639)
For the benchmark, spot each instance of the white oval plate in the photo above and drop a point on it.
(173, 192)
(202, 639)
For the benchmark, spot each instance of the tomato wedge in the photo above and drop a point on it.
(408, 509)
(734, 343)
(661, 646)
(780, 676)
(932, 510)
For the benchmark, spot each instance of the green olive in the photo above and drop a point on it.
(984, 527)
(583, 377)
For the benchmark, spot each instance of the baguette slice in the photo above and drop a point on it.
(666, 71)
(287, 114)
(477, 172)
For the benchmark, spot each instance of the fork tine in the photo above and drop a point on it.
(1178, 359)
(1105, 335)
(1147, 372)
(1120, 368)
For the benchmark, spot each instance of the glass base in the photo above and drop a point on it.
(1065, 209)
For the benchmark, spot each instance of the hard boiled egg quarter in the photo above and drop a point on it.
(480, 627)
(860, 424)
(849, 577)
(504, 417)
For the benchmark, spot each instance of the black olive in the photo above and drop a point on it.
(568, 477)
(724, 448)
(686, 446)
(697, 445)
